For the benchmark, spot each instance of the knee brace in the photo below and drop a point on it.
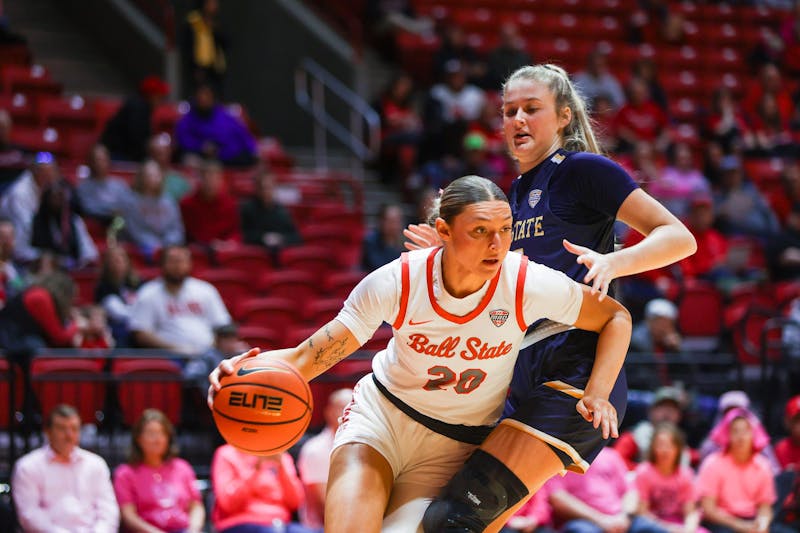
(480, 492)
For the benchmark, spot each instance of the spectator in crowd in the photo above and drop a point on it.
(668, 406)
(227, 343)
(640, 119)
(101, 196)
(314, 460)
(783, 250)
(12, 276)
(209, 131)
(772, 132)
(58, 229)
(12, 158)
(786, 199)
(387, 18)
(401, 130)
(658, 332)
(726, 123)
(769, 81)
(535, 516)
(41, 315)
(679, 181)
(203, 47)
(597, 79)
(61, 487)
(473, 161)
(156, 490)
(508, 56)
(159, 149)
(210, 215)
(116, 292)
(97, 334)
(264, 220)
(152, 219)
(665, 487)
(741, 209)
(709, 262)
(605, 116)
(787, 450)
(255, 494)
(456, 48)
(672, 29)
(727, 401)
(385, 243)
(127, 132)
(599, 500)
(735, 484)
(176, 311)
(21, 201)
(646, 70)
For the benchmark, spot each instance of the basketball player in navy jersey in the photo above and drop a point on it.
(564, 205)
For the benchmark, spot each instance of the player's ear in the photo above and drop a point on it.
(442, 229)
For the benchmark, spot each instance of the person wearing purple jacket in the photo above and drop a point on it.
(208, 130)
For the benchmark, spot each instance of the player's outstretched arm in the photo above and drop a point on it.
(326, 347)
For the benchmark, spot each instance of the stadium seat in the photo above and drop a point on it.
(34, 81)
(700, 316)
(271, 312)
(319, 312)
(36, 139)
(67, 114)
(262, 337)
(86, 281)
(297, 285)
(77, 382)
(21, 109)
(10, 373)
(314, 259)
(339, 284)
(250, 260)
(231, 284)
(145, 383)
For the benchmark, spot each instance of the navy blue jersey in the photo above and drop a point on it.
(573, 196)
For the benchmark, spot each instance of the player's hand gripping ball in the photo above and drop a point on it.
(264, 407)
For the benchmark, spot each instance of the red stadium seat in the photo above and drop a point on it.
(319, 312)
(77, 382)
(379, 339)
(21, 109)
(261, 337)
(167, 115)
(105, 109)
(297, 334)
(148, 383)
(700, 316)
(314, 259)
(251, 261)
(15, 54)
(339, 284)
(86, 280)
(297, 285)
(10, 373)
(67, 113)
(232, 286)
(39, 139)
(33, 81)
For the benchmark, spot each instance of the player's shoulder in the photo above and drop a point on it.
(581, 162)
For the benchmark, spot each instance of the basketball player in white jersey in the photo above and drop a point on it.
(459, 313)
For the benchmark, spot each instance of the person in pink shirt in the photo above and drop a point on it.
(666, 488)
(156, 490)
(679, 181)
(61, 488)
(314, 460)
(736, 485)
(255, 494)
(787, 449)
(600, 500)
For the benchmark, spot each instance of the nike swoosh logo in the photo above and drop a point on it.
(244, 371)
(412, 323)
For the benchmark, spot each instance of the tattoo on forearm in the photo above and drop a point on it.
(328, 355)
(328, 333)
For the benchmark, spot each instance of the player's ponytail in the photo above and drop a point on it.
(578, 135)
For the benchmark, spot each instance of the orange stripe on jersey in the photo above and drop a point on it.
(523, 272)
(455, 318)
(566, 388)
(405, 284)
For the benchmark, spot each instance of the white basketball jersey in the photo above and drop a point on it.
(454, 368)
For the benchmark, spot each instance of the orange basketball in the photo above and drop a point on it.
(264, 407)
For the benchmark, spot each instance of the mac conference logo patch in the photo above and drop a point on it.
(534, 197)
(498, 316)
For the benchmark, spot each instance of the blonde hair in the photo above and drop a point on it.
(578, 135)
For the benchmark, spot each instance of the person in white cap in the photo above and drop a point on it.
(658, 332)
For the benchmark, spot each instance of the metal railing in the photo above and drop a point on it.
(312, 85)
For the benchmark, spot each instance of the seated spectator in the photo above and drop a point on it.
(783, 249)
(152, 219)
(101, 196)
(255, 494)
(401, 130)
(202, 45)
(640, 119)
(12, 158)
(772, 131)
(787, 450)
(604, 116)
(97, 333)
(456, 48)
(672, 30)
(385, 243)
(226, 344)
(735, 485)
(679, 181)
(61, 487)
(210, 215)
(209, 131)
(58, 229)
(658, 332)
(116, 292)
(646, 70)
(535, 515)
(390, 17)
(668, 405)
(726, 123)
(264, 220)
(176, 311)
(126, 133)
(769, 81)
(783, 204)
(597, 79)
(314, 460)
(666, 487)
(12, 276)
(508, 56)
(159, 149)
(596, 501)
(709, 262)
(156, 490)
(41, 315)
(741, 209)
(21, 201)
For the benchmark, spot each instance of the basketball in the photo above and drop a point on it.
(264, 407)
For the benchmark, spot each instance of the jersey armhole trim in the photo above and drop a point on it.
(405, 277)
(523, 272)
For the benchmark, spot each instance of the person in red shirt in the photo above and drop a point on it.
(210, 214)
(641, 119)
(712, 246)
(787, 449)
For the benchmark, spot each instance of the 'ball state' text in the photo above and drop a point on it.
(475, 347)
